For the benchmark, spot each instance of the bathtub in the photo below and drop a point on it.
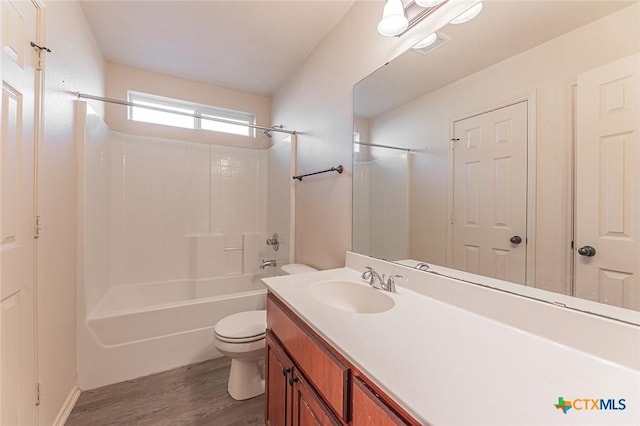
(141, 329)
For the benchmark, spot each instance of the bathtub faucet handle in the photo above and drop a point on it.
(274, 241)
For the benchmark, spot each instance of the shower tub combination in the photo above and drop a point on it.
(145, 328)
(171, 237)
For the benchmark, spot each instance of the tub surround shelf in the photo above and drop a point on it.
(431, 357)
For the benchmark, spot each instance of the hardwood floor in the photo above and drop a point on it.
(191, 395)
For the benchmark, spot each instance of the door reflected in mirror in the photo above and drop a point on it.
(510, 150)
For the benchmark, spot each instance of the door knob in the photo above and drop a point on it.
(587, 251)
(516, 239)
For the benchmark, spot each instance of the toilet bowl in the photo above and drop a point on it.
(241, 337)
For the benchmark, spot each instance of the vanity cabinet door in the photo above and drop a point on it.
(290, 400)
(368, 409)
(327, 374)
(308, 408)
(278, 370)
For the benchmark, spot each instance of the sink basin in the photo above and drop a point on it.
(351, 296)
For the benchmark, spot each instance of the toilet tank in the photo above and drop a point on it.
(297, 268)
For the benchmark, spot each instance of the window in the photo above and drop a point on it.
(189, 115)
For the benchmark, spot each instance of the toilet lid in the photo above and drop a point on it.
(242, 325)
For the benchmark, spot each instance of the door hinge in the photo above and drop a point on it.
(453, 142)
(37, 227)
(451, 219)
(40, 60)
(38, 392)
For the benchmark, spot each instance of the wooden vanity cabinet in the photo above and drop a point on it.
(317, 379)
(290, 399)
(308, 408)
(278, 367)
(369, 409)
(309, 383)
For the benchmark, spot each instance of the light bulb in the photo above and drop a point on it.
(426, 42)
(468, 14)
(428, 3)
(394, 21)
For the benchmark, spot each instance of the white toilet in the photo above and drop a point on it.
(241, 337)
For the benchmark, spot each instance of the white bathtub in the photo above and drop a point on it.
(141, 329)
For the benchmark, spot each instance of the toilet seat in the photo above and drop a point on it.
(243, 340)
(243, 327)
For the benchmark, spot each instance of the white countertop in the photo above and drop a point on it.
(449, 366)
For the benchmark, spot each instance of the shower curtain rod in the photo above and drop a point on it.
(187, 114)
(391, 147)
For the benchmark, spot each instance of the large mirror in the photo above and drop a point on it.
(508, 149)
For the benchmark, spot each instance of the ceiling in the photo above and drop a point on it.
(251, 46)
(501, 30)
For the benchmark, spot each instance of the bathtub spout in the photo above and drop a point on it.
(266, 263)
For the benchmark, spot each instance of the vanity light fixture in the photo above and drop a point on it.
(468, 14)
(398, 19)
(426, 42)
(394, 20)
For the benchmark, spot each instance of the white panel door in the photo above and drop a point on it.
(17, 368)
(607, 184)
(490, 193)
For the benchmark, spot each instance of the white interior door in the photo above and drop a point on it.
(490, 193)
(607, 184)
(17, 369)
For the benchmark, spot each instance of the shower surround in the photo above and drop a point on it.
(171, 237)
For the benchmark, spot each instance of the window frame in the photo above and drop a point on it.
(199, 111)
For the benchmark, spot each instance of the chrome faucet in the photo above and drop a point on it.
(372, 276)
(422, 266)
(266, 263)
(390, 285)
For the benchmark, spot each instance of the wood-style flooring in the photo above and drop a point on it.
(191, 395)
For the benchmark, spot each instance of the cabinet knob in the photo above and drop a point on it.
(292, 380)
(286, 371)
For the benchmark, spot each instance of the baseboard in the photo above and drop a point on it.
(66, 409)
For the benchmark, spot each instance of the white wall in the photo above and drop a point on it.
(75, 64)
(317, 101)
(429, 118)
